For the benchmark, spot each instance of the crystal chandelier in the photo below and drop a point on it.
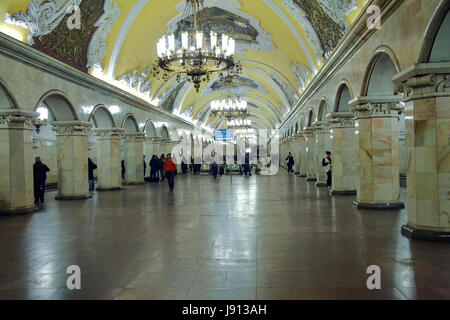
(239, 123)
(230, 107)
(192, 52)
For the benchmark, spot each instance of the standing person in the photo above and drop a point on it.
(91, 167)
(40, 176)
(161, 168)
(145, 166)
(170, 168)
(290, 162)
(327, 162)
(184, 166)
(247, 166)
(122, 164)
(153, 169)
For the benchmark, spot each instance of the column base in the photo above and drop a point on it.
(321, 184)
(311, 179)
(414, 233)
(11, 212)
(343, 192)
(134, 183)
(380, 206)
(110, 189)
(82, 197)
(302, 175)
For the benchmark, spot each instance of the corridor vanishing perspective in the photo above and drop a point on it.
(210, 239)
(224, 150)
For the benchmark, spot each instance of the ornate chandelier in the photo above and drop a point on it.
(239, 123)
(193, 53)
(229, 107)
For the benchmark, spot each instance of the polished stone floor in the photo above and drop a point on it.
(253, 238)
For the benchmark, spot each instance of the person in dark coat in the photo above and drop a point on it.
(161, 167)
(40, 176)
(122, 164)
(154, 168)
(184, 166)
(145, 167)
(247, 168)
(326, 162)
(290, 162)
(91, 167)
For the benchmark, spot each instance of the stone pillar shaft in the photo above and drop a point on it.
(343, 144)
(377, 154)
(108, 159)
(310, 161)
(323, 144)
(426, 88)
(72, 158)
(16, 180)
(302, 155)
(134, 155)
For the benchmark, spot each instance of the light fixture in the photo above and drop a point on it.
(239, 123)
(194, 53)
(230, 106)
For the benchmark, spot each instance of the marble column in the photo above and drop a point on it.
(72, 159)
(16, 180)
(109, 158)
(343, 152)
(323, 144)
(296, 152)
(150, 147)
(377, 153)
(134, 156)
(302, 154)
(310, 161)
(426, 88)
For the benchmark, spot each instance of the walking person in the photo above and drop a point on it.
(170, 169)
(290, 162)
(91, 167)
(326, 162)
(40, 176)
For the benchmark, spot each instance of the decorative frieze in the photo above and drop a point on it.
(109, 133)
(71, 128)
(341, 119)
(424, 80)
(17, 119)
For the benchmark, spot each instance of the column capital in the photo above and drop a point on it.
(71, 128)
(321, 126)
(341, 119)
(424, 80)
(17, 119)
(375, 106)
(109, 133)
(308, 131)
(135, 136)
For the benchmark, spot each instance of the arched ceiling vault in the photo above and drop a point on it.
(280, 43)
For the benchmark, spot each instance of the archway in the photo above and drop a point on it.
(436, 47)
(378, 79)
(310, 117)
(164, 133)
(343, 97)
(150, 129)
(323, 110)
(100, 118)
(7, 101)
(130, 124)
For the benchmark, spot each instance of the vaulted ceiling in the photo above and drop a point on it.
(280, 43)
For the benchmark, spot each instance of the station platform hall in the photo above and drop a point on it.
(225, 150)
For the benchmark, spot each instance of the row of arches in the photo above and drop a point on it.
(378, 82)
(381, 69)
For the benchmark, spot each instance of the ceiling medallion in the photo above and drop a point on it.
(192, 53)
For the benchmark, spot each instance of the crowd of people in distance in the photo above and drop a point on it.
(161, 168)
